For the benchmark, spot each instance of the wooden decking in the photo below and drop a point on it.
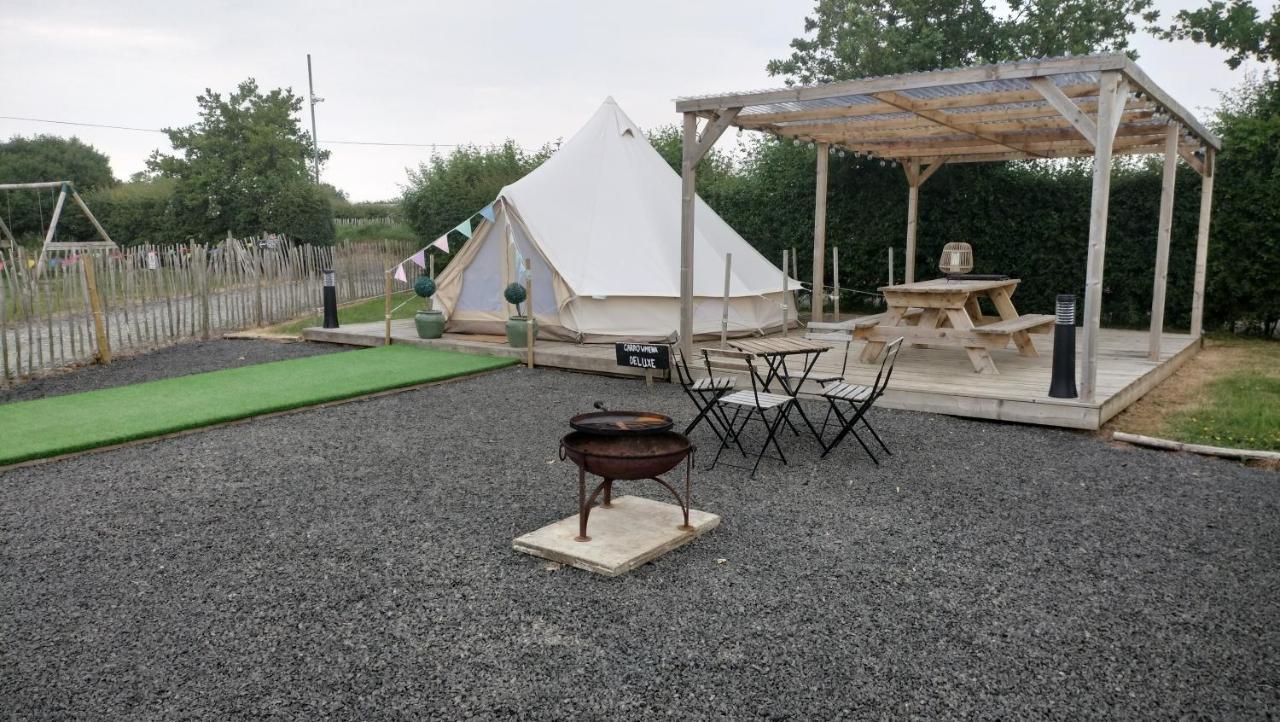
(934, 380)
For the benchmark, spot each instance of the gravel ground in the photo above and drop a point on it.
(184, 358)
(354, 562)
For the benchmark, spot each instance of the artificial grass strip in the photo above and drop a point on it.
(76, 422)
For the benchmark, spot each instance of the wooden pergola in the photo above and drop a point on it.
(1097, 105)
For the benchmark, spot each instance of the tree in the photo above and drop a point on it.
(1234, 26)
(47, 158)
(244, 168)
(715, 166)
(446, 190)
(1245, 236)
(847, 39)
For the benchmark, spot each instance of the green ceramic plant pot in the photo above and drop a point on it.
(430, 324)
(518, 331)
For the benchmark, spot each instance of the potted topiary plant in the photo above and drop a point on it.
(518, 325)
(430, 322)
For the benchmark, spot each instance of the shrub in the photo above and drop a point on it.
(515, 295)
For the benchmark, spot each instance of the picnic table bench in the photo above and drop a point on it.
(946, 313)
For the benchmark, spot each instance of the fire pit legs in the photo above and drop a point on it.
(586, 502)
(627, 457)
(687, 500)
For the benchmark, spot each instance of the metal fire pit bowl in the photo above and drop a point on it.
(642, 456)
(626, 456)
(616, 423)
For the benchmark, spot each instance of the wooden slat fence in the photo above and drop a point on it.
(361, 222)
(153, 296)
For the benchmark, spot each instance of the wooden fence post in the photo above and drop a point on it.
(835, 283)
(95, 304)
(204, 292)
(530, 336)
(724, 303)
(386, 337)
(785, 283)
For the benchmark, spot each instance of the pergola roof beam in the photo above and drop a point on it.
(959, 149)
(910, 81)
(903, 119)
(941, 118)
(971, 100)
(1069, 110)
(840, 132)
(1139, 81)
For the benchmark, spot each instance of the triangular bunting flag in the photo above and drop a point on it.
(464, 228)
(487, 212)
(400, 274)
(420, 258)
(442, 243)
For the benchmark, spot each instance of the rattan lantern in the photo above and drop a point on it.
(956, 258)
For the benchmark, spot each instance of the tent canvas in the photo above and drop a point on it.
(600, 223)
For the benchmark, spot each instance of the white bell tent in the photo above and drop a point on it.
(600, 223)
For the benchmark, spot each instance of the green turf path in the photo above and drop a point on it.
(63, 424)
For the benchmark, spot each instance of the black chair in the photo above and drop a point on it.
(857, 400)
(704, 392)
(756, 403)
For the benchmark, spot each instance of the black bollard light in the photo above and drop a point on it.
(330, 299)
(1063, 385)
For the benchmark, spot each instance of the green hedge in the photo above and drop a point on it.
(148, 212)
(1027, 222)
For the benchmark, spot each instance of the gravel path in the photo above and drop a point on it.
(355, 563)
(179, 360)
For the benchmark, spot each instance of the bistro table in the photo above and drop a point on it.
(774, 352)
(945, 312)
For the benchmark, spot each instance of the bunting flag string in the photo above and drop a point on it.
(400, 273)
(442, 243)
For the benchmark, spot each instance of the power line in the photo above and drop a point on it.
(157, 130)
(86, 125)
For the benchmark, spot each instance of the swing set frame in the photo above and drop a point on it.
(67, 188)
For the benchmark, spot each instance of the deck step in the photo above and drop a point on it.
(1032, 322)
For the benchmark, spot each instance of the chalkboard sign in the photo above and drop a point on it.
(652, 356)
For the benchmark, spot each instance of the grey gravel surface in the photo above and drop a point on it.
(179, 360)
(354, 563)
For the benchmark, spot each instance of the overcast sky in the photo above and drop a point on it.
(420, 72)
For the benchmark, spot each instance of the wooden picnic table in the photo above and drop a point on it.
(946, 313)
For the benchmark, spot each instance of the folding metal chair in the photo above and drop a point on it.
(704, 392)
(857, 400)
(755, 403)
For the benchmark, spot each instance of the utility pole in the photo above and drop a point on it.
(315, 141)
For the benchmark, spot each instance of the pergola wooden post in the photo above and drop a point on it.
(912, 169)
(1112, 89)
(1162, 241)
(819, 232)
(694, 147)
(915, 178)
(1206, 171)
